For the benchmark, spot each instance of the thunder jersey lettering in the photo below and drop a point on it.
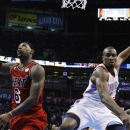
(21, 84)
(113, 83)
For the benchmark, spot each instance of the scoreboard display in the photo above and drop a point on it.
(114, 14)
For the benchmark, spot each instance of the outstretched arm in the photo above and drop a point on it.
(5, 67)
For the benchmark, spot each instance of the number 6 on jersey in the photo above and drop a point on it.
(17, 97)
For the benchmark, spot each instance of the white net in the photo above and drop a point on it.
(74, 4)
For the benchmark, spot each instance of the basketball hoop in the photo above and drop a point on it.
(74, 4)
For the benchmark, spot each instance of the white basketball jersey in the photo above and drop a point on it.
(92, 92)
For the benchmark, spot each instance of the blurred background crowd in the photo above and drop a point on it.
(58, 47)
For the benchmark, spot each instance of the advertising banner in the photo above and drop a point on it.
(62, 64)
(50, 21)
(5, 95)
(22, 18)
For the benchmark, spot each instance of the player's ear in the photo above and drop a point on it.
(32, 51)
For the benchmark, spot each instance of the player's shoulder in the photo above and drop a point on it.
(100, 72)
(101, 66)
(37, 72)
(37, 68)
(101, 69)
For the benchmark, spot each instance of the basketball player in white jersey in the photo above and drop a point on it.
(96, 108)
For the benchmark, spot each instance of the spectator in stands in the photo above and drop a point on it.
(53, 127)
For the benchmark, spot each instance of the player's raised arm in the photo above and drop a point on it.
(123, 56)
(5, 67)
(38, 76)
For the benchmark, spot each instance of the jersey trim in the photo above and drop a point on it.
(22, 69)
(15, 65)
(92, 89)
(103, 66)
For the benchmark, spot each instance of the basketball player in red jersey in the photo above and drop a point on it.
(27, 88)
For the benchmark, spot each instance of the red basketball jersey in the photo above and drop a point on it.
(21, 84)
(34, 118)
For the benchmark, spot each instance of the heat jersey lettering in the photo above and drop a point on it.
(18, 81)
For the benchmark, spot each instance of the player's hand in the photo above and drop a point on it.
(4, 119)
(127, 111)
(125, 119)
